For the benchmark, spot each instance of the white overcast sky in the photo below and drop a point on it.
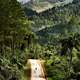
(23, 1)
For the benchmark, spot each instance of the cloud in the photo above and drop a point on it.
(24, 1)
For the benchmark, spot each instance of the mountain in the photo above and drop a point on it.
(67, 23)
(43, 5)
(54, 16)
(55, 22)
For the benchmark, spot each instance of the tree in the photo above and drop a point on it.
(13, 28)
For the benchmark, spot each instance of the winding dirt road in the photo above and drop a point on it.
(37, 70)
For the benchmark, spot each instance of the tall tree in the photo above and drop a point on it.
(13, 29)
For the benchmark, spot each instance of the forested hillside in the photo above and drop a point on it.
(52, 35)
(58, 31)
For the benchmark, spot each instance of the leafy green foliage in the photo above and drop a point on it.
(57, 40)
(14, 28)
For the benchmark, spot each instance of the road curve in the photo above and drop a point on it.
(37, 70)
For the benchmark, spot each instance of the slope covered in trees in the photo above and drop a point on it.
(58, 30)
(53, 35)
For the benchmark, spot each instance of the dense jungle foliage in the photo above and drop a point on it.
(53, 35)
(14, 33)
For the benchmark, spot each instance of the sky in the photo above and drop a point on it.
(23, 1)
